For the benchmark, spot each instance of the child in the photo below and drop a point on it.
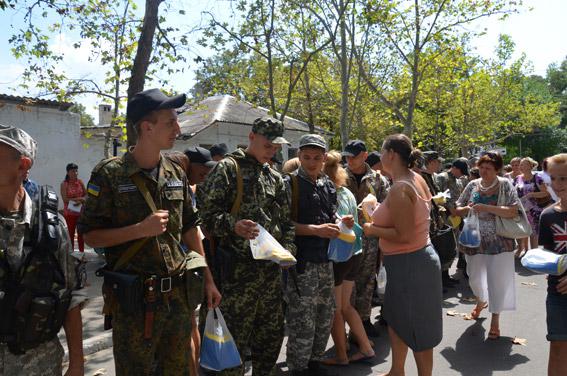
(553, 231)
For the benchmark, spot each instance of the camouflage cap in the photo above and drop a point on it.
(19, 140)
(312, 140)
(270, 128)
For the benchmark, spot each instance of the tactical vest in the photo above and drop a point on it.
(34, 299)
(317, 204)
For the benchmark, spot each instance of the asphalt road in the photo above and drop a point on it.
(464, 349)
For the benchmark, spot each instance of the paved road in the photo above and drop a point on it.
(464, 349)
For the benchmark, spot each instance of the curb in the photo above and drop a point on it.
(93, 345)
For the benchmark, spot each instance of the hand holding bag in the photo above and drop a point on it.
(470, 236)
(218, 350)
(513, 228)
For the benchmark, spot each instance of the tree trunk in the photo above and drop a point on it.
(344, 131)
(142, 59)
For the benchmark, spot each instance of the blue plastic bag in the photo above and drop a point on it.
(218, 350)
(540, 260)
(341, 248)
(470, 236)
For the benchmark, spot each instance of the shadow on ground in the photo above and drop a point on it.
(473, 355)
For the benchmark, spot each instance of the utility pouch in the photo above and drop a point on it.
(126, 290)
(194, 281)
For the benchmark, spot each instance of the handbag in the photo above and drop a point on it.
(512, 228)
(443, 241)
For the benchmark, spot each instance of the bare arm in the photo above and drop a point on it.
(73, 327)
(501, 211)
(326, 230)
(401, 200)
(63, 190)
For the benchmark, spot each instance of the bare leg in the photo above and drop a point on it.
(338, 331)
(424, 361)
(353, 319)
(533, 241)
(399, 354)
(494, 326)
(195, 348)
(557, 355)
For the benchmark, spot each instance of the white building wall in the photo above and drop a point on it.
(59, 141)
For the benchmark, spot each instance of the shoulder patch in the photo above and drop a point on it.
(93, 189)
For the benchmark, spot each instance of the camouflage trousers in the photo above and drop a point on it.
(168, 351)
(252, 308)
(361, 298)
(309, 315)
(44, 360)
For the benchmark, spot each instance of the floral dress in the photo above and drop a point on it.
(533, 210)
(490, 243)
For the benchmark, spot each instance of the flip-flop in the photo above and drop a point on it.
(362, 357)
(476, 311)
(334, 362)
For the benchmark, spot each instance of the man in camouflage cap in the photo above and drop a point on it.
(151, 329)
(38, 278)
(252, 289)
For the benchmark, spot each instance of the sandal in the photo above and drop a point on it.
(359, 356)
(519, 253)
(476, 311)
(494, 333)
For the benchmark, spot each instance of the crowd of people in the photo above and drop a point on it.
(176, 230)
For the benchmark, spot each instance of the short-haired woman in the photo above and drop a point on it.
(533, 192)
(412, 303)
(491, 265)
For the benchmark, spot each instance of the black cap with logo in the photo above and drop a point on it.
(147, 101)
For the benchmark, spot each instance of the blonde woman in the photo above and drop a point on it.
(345, 275)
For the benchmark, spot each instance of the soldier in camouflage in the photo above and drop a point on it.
(362, 180)
(310, 290)
(17, 214)
(116, 216)
(252, 289)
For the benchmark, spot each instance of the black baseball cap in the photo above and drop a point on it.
(353, 148)
(197, 154)
(219, 149)
(147, 101)
(373, 158)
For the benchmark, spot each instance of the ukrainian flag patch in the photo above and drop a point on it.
(93, 189)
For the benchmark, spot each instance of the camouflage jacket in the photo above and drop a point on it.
(265, 201)
(372, 182)
(446, 180)
(114, 201)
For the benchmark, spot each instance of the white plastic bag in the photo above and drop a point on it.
(218, 350)
(540, 260)
(368, 205)
(470, 236)
(341, 248)
(265, 247)
(381, 280)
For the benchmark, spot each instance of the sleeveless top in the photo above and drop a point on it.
(74, 190)
(382, 217)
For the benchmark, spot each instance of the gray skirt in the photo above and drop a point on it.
(413, 298)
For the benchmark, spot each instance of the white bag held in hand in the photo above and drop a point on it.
(470, 236)
(368, 205)
(265, 247)
(540, 260)
(381, 280)
(218, 350)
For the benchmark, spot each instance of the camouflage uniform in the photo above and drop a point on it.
(444, 181)
(372, 182)
(310, 292)
(251, 289)
(113, 202)
(46, 359)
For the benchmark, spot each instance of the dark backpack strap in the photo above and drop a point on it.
(239, 189)
(294, 197)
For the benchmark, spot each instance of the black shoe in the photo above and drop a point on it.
(447, 280)
(370, 329)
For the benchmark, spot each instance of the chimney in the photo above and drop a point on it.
(104, 114)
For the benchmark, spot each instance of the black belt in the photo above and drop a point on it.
(166, 284)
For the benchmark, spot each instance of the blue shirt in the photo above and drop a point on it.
(32, 188)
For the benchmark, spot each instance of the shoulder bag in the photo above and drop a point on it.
(513, 228)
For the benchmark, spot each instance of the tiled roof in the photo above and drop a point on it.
(28, 101)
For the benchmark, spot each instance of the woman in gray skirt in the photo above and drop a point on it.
(412, 303)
